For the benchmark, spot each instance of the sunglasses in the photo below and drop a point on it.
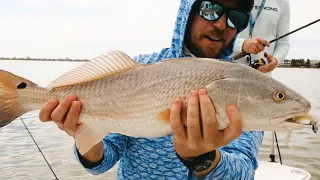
(213, 11)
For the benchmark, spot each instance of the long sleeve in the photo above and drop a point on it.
(114, 146)
(282, 46)
(238, 160)
(238, 45)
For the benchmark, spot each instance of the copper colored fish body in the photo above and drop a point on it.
(122, 96)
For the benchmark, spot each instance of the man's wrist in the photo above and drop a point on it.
(243, 45)
(203, 174)
(276, 61)
(89, 164)
(93, 157)
(200, 163)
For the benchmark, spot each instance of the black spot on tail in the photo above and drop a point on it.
(22, 85)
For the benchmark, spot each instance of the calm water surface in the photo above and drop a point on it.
(20, 158)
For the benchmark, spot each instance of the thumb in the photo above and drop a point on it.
(268, 56)
(234, 117)
(235, 128)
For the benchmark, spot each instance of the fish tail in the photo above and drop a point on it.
(10, 107)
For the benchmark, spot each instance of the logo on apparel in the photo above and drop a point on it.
(267, 8)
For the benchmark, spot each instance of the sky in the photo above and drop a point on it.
(88, 28)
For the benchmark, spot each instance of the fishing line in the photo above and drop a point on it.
(39, 149)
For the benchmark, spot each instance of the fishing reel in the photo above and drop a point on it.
(256, 63)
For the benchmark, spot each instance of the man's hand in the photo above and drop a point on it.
(254, 45)
(66, 115)
(201, 134)
(272, 63)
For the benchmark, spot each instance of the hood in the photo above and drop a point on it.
(180, 29)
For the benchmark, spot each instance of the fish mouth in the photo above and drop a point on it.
(295, 121)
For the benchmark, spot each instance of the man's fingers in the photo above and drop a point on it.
(263, 42)
(193, 118)
(45, 112)
(256, 50)
(175, 121)
(264, 69)
(60, 126)
(268, 56)
(60, 112)
(208, 114)
(73, 117)
(235, 128)
(272, 63)
(260, 47)
(184, 115)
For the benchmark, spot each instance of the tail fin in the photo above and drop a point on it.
(10, 107)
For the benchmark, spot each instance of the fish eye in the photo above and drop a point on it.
(279, 96)
(22, 85)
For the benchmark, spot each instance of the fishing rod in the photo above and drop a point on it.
(275, 135)
(39, 149)
(242, 54)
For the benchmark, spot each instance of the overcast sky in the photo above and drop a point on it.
(89, 28)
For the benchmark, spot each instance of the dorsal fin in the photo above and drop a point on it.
(106, 65)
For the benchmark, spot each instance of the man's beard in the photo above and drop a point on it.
(208, 52)
(203, 52)
(194, 46)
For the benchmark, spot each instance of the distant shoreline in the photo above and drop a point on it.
(64, 60)
(297, 67)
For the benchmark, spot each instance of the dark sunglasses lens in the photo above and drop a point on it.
(238, 20)
(210, 11)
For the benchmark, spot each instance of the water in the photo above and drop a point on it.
(20, 158)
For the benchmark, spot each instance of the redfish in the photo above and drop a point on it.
(119, 95)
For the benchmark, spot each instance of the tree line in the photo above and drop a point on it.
(42, 59)
(303, 63)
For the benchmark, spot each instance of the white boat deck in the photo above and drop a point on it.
(276, 171)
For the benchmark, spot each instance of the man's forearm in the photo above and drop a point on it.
(93, 157)
(104, 155)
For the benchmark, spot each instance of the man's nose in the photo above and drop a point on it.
(221, 23)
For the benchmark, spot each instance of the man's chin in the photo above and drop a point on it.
(212, 53)
(207, 51)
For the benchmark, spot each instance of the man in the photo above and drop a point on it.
(203, 29)
(269, 20)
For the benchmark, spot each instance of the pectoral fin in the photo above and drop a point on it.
(164, 116)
